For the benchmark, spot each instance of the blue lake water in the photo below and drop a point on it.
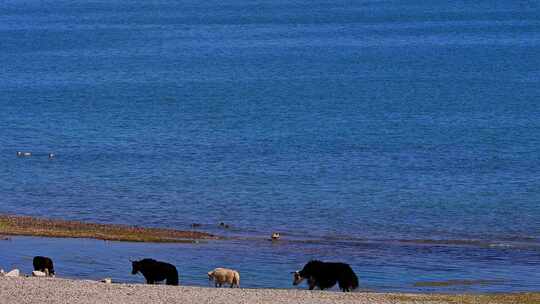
(398, 136)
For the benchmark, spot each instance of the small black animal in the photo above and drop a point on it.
(44, 264)
(325, 275)
(155, 271)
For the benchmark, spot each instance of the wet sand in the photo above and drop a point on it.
(55, 290)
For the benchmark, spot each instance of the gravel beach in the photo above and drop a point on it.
(55, 290)
(48, 290)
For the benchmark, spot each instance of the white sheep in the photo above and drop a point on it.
(224, 275)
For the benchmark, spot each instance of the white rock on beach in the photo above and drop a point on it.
(107, 281)
(2, 272)
(13, 273)
(37, 273)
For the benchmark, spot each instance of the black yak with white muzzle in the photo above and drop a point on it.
(43, 264)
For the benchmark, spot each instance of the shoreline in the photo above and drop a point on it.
(27, 226)
(15, 225)
(57, 290)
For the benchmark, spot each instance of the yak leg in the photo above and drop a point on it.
(311, 283)
(344, 285)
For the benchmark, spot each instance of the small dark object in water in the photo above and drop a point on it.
(23, 154)
(226, 226)
(44, 264)
(156, 271)
(51, 155)
(325, 275)
(195, 225)
(275, 236)
(4, 238)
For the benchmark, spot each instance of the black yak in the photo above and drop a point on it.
(325, 275)
(43, 264)
(155, 271)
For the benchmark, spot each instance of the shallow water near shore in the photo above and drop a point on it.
(381, 267)
(400, 137)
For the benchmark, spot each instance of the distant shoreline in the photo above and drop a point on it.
(14, 225)
(48, 290)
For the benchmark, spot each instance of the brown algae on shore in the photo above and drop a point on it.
(455, 283)
(31, 226)
(496, 298)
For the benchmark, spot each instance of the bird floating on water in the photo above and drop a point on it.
(23, 154)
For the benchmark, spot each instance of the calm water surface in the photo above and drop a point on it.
(398, 136)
